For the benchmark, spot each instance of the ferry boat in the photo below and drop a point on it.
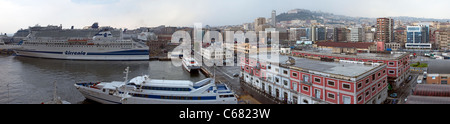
(190, 64)
(143, 90)
(102, 46)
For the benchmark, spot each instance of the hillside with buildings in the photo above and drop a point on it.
(308, 16)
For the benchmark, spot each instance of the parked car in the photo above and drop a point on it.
(236, 75)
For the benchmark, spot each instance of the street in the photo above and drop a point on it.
(225, 75)
(407, 88)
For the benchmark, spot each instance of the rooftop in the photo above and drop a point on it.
(361, 45)
(427, 100)
(342, 68)
(377, 56)
(432, 90)
(439, 67)
(430, 94)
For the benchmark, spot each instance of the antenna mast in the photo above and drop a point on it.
(127, 70)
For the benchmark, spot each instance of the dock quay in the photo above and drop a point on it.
(160, 59)
(6, 51)
(260, 95)
(205, 72)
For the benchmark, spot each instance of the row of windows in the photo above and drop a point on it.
(317, 92)
(165, 88)
(226, 96)
(74, 44)
(373, 90)
(173, 97)
(115, 46)
(61, 41)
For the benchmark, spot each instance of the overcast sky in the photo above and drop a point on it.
(16, 14)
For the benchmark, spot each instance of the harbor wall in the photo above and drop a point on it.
(259, 95)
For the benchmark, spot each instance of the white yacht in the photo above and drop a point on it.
(143, 90)
(73, 45)
(190, 64)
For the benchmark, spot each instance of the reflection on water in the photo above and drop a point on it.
(30, 80)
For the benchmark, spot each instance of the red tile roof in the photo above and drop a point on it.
(362, 45)
(432, 90)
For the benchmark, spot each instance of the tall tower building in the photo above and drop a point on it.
(417, 37)
(385, 29)
(260, 24)
(274, 18)
(259, 21)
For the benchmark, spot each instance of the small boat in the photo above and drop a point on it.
(190, 64)
(143, 90)
(56, 99)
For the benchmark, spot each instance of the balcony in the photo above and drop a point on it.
(307, 83)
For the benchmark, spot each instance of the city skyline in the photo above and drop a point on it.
(139, 13)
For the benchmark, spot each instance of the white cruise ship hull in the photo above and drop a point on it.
(86, 55)
(137, 100)
(99, 97)
(190, 68)
(105, 98)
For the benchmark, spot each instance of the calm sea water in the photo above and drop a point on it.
(26, 80)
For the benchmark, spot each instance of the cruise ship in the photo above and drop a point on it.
(143, 90)
(75, 45)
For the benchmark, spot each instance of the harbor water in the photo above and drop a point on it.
(25, 80)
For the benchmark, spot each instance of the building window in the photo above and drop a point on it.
(367, 93)
(367, 81)
(331, 96)
(285, 82)
(359, 98)
(306, 78)
(391, 72)
(346, 99)
(444, 77)
(373, 77)
(305, 101)
(346, 86)
(294, 74)
(317, 93)
(359, 85)
(317, 80)
(391, 63)
(330, 83)
(294, 84)
(285, 72)
(444, 82)
(305, 88)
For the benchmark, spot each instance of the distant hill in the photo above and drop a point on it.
(303, 14)
(300, 15)
(406, 18)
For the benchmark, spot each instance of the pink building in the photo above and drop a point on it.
(307, 81)
(397, 63)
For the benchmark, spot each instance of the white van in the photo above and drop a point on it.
(419, 79)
